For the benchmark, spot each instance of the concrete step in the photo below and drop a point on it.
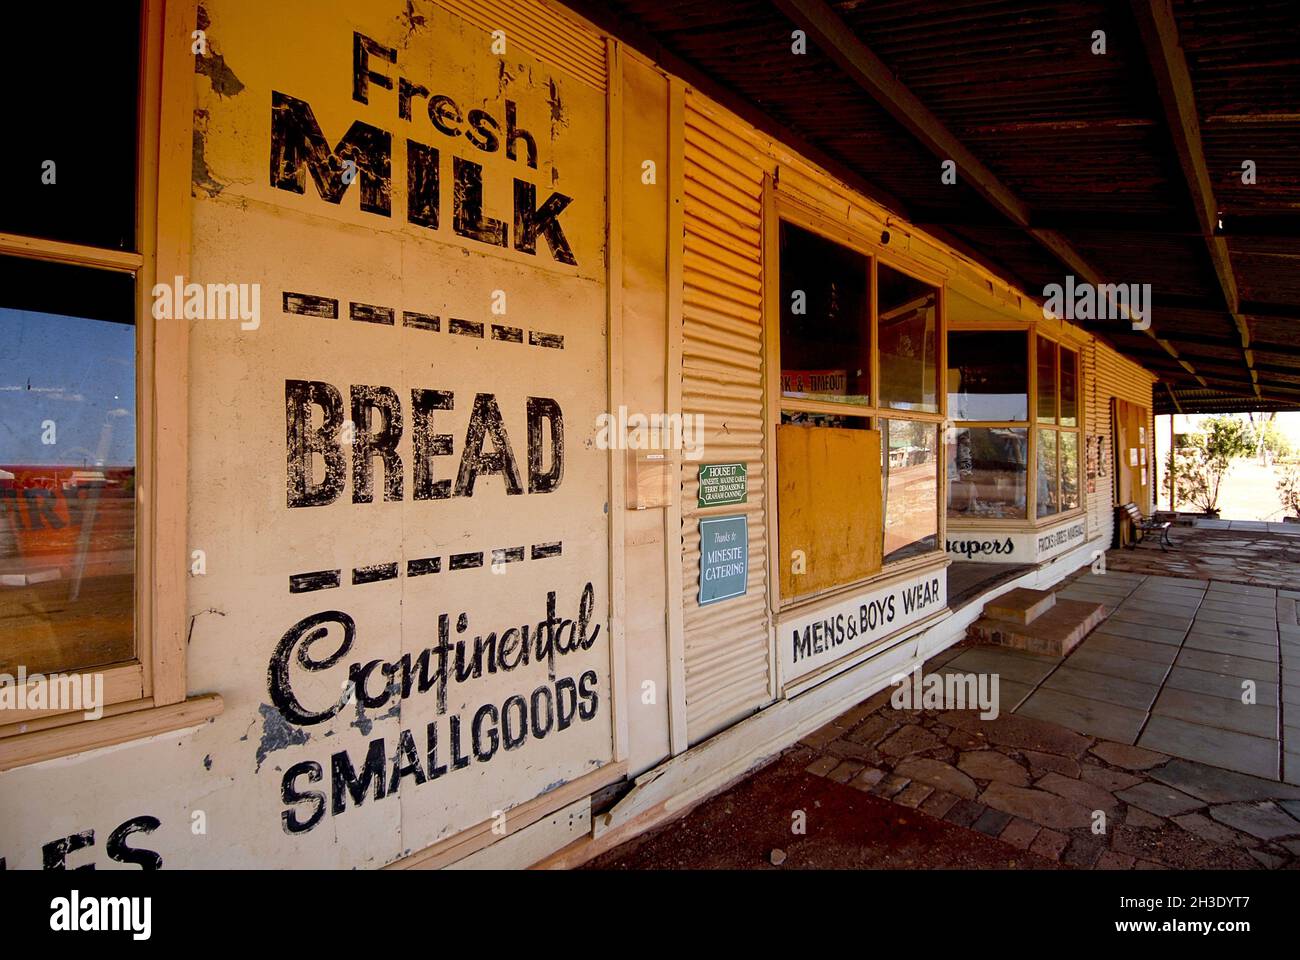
(1053, 633)
(1020, 605)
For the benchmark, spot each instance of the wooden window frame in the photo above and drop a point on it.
(1056, 427)
(780, 208)
(1032, 425)
(148, 694)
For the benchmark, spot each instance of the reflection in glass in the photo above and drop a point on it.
(909, 455)
(824, 420)
(1069, 470)
(988, 375)
(67, 487)
(1048, 502)
(907, 318)
(825, 319)
(1069, 388)
(1046, 381)
(986, 472)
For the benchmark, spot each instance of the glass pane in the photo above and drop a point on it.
(907, 321)
(1048, 502)
(988, 375)
(825, 319)
(986, 472)
(1069, 388)
(1046, 381)
(1069, 470)
(909, 454)
(67, 468)
(824, 420)
(69, 155)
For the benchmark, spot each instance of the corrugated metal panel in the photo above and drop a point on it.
(542, 30)
(1109, 375)
(728, 665)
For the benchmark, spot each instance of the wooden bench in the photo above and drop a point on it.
(1145, 526)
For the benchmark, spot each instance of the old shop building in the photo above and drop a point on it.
(368, 579)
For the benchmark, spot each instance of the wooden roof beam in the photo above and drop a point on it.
(1173, 397)
(1156, 23)
(825, 28)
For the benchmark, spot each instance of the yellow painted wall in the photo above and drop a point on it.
(233, 773)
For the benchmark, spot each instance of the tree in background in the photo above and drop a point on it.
(1270, 443)
(1288, 489)
(1203, 460)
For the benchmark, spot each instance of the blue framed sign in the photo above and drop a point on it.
(724, 558)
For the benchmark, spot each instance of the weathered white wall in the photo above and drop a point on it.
(246, 230)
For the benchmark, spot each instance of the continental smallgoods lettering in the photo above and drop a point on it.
(454, 739)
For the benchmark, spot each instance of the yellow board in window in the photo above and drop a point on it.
(828, 507)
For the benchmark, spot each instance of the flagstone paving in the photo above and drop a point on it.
(1169, 738)
(1208, 670)
(1075, 798)
(1223, 549)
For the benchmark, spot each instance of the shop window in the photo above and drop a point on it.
(986, 472)
(1058, 434)
(825, 319)
(67, 467)
(907, 321)
(909, 459)
(988, 376)
(1069, 470)
(92, 583)
(1048, 489)
(1069, 388)
(1046, 381)
(69, 157)
(857, 474)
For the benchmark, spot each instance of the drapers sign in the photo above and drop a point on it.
(1035, 546)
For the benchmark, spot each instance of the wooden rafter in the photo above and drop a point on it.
(825, 28)
(1155, 19)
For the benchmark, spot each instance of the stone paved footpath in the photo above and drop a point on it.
(1082, 801)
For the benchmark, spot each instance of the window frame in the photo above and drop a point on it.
(1059, 344)
(1060, 340)
(148, 694)
(781, 208)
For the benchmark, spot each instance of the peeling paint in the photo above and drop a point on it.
(200, 174)
(213, 65)
(277, 733)
(504, 79)
(366, 723)
(558, 117)
(411, 22)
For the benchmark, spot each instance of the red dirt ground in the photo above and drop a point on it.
(846, 830)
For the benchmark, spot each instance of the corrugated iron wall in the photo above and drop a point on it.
(727, 651)
(1108, 374)
(542, 30)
